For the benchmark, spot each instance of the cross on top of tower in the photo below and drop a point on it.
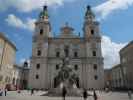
(88, 7)
(45, 7)
(44, 13)
(89, 13)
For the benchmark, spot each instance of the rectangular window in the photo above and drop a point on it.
(37, 76)
(94, 53)
(96, 77)
(92, 32)
(39, 52)
(41, 31)
(57, 54)
(95, 66)
(57, 67)
(76, 67)
(75, 54)
(38, 66)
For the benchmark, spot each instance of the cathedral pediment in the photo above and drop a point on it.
(67, 32)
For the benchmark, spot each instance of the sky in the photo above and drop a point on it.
(17, 19)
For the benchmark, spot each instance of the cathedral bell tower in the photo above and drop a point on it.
(93, 50)
(91, 26)
(42, 33)
(38, 72)
(43, 26)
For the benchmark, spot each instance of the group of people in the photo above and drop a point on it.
(85, 94)
(3, 92)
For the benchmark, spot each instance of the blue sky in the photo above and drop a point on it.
(115, 17)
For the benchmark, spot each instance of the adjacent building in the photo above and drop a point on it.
(107, 78)
(126, 59)
(67, 58)
(17, 74)
(21, 76)
(117, 77)
(7, 60)
(121, 75)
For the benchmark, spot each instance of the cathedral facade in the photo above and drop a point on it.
(68, 58)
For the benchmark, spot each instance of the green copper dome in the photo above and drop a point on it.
(44, 12)
(89, 12)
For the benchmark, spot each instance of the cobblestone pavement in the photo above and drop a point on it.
(25, 95)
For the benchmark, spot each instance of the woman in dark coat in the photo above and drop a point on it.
(64, 92)
(85, 94)
(94, 95)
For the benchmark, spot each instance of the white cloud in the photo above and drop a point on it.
(14, 21)
(29, 5)
(110, 6)
(30, 23)
(110, 51)
(22, 60)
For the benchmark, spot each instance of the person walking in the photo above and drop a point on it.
(5, 90)
(130, 95)
(85, 94)
(32, 91)
(64, 92)
(1, 92)
(95, 95)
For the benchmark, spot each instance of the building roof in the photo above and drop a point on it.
(67, 32)
(124, 48)
(7, 40)
(107, 70)
(21, 67)
(17, 66)
(116, 66)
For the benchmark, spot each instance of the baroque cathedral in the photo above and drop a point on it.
(67, 59)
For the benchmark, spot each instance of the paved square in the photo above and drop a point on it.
(25, 95)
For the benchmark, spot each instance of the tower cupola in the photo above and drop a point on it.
(91, 26)
(44, 14)
(89, 15)
(42, 25)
